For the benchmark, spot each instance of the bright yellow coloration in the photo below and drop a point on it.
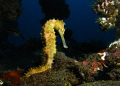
(50, 46)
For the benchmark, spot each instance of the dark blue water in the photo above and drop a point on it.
(81, 21)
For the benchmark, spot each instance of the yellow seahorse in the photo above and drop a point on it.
(50, 44)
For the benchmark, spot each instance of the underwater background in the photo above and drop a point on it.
(81, 21)
(86, 51)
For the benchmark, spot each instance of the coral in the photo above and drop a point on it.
(109, 10)
(13, 77)
(50, 46)
(115, 43)
(93, 67)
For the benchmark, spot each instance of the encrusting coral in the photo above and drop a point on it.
(109, 11)
(50, 46)
(109, 15)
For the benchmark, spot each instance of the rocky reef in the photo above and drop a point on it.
(10, 10)
(103, 65)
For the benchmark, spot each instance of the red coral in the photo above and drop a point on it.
(116, 54)
(93, 66)
(13, 76)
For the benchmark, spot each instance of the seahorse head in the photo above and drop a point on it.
(59, 26)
